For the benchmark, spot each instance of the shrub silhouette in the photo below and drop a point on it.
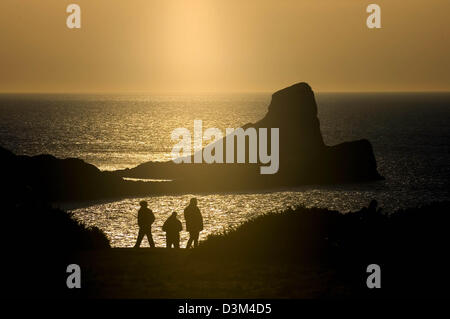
(321, 234)
(39, 226)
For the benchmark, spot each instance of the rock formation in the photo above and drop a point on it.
(304, 158)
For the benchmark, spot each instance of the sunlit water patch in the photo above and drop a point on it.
(222, 211)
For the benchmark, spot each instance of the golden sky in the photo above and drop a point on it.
(163, 46)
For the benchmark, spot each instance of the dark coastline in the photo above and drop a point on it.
(66, 181)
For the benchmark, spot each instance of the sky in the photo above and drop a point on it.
(192, 46)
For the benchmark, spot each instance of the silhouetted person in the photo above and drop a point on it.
(194, 222)
(145, 221)
(172, 226)
(372, 212)
(373, 206)
(373, 220)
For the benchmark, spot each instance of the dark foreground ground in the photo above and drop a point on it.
(158, 273)
(300, 253)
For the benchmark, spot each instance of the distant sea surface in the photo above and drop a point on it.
(410, 134)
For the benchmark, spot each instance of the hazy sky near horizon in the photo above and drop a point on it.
(223, 46)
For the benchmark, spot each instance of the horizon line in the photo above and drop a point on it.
(213, 92)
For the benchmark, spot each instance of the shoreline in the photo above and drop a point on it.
(79, 204)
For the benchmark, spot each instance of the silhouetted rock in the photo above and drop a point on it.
(303, 156)
(294, 111)
(47, 178)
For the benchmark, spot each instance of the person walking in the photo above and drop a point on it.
(194, 222)
(145, 221)
(172, 226)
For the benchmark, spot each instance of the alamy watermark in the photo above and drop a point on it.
(258, 150)
(374, 279)
(74, 279)
(73, 20)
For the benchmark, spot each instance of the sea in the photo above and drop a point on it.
(410, 134)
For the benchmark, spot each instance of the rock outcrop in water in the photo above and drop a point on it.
(303, 156)
(303, 159)
(47, 178)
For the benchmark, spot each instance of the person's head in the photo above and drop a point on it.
(174, 215)
(143, 204)
(193, 201)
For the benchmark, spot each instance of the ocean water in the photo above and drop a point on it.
(410, 134)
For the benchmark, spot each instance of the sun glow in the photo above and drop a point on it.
(192, 49)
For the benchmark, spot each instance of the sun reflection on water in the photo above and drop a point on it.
(222, 211)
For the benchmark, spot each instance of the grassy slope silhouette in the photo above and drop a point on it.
(300, 253)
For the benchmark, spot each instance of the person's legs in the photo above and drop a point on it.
(168, 241)
(189, 243)
(150, 238)
(196, 239)
(139, 238)
(176, 241)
